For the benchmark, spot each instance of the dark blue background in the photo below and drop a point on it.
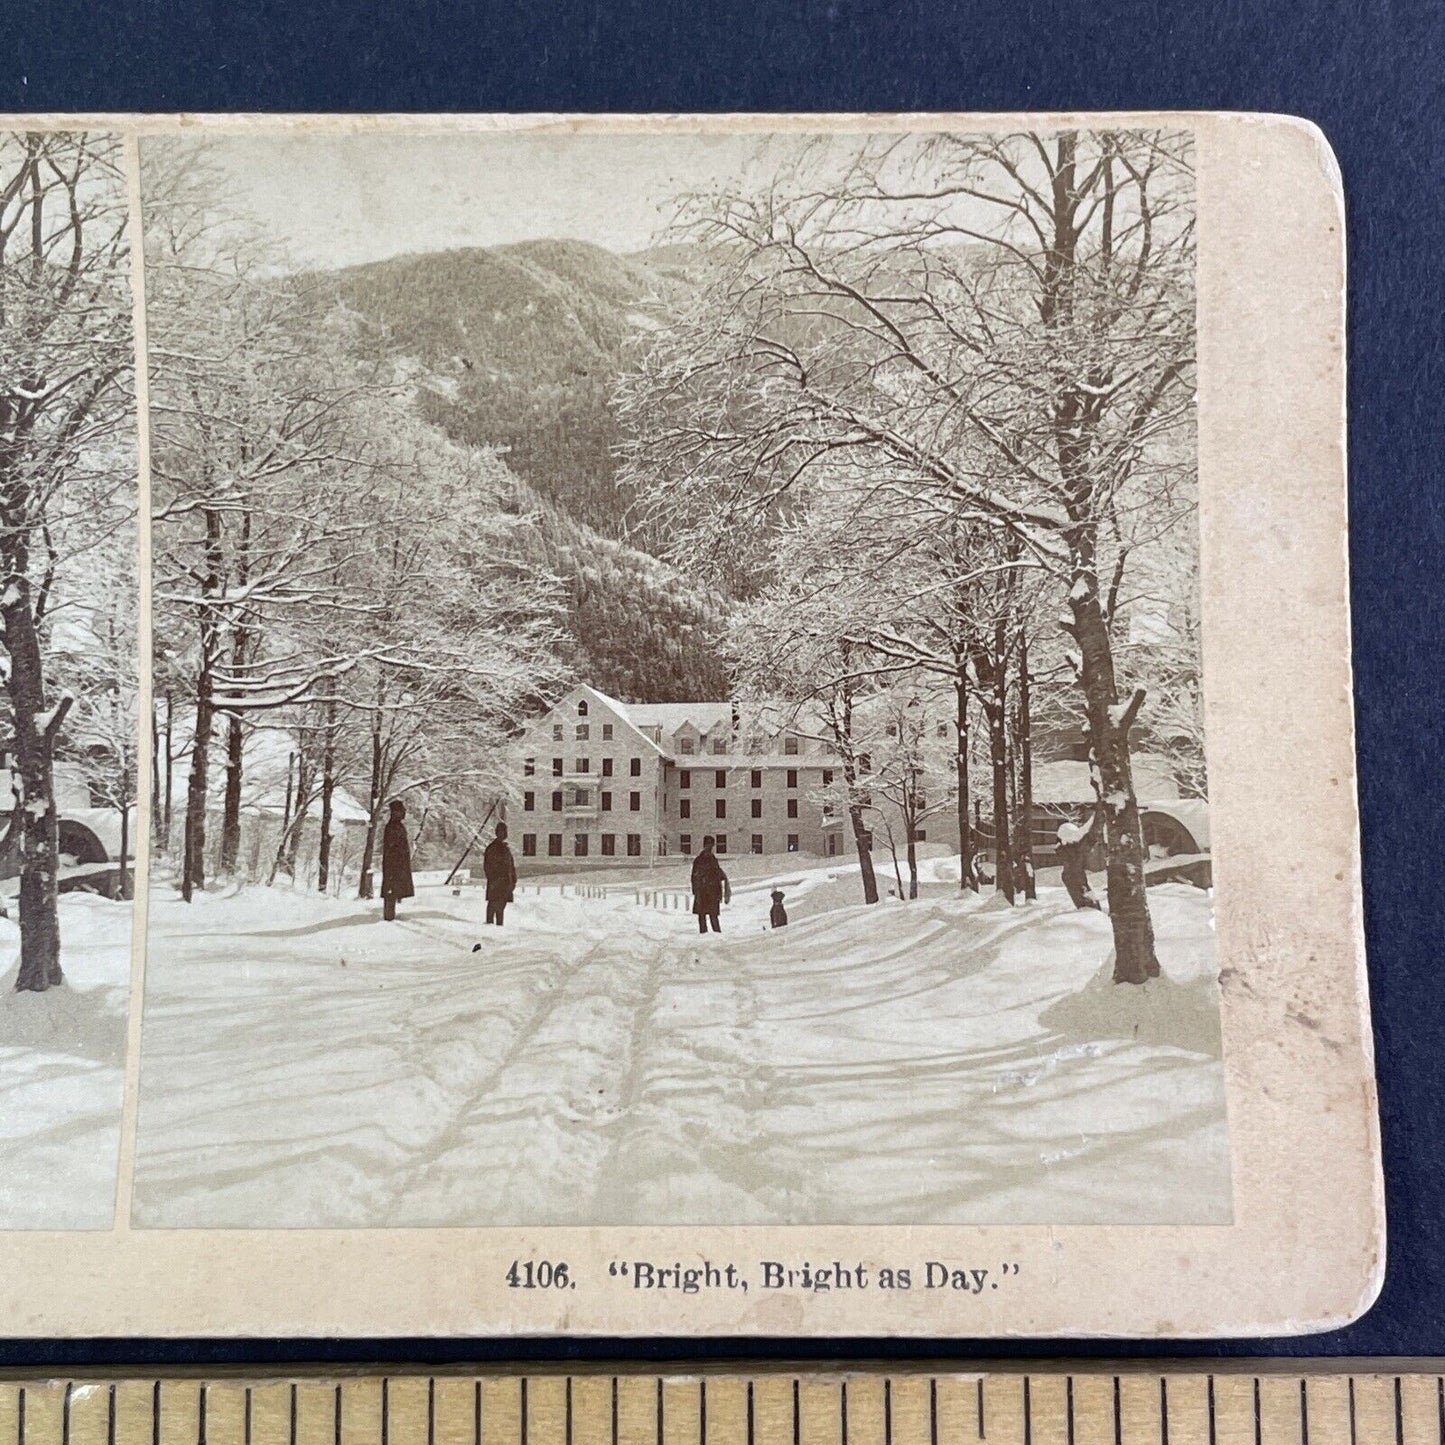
(1371, 74)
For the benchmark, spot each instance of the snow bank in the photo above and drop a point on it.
(62, 1070)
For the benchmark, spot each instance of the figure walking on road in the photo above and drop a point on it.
(395, 861)
(501, 870)
(709, 887)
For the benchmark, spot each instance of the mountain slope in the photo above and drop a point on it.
(526, 342)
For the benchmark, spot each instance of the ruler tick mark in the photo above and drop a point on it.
(1352, 1411)
(1118, 1418)
(843, 1411)
(524, 1411)
(1028, 1413)
(156, 1413)
(614, 1410)
(1258, 1417)
(201, 1418)
(291, 1423)
(567, 1432)
(477, 1412)
(660, 1421)
(386, 1412)
(1304, 1413)
(1069, 1408)
(1399, 1414)
(1163, 1410)
(750, 1412)
(336, 1418)
(20, 1417)
(797, 1414)
(702, 1413)
(982, 1433)
(932, 1411)
(65, 1415)
(431, 1411)
(110, 1417)
(246, 1421)
(1209, 1398)
(887, 1412)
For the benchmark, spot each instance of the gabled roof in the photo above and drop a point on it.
(670, 716)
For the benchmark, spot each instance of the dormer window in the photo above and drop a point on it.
(582, 707)
(684, 745)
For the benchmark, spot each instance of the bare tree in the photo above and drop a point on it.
(67, 457)
(1004, 324)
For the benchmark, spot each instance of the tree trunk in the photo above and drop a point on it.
(170, 770)
(912, 862)
(967, 878)
(366, 888)
(157, 817)
(123, 888)
(35, 795)
(1109, 725)
(865, 855)
(328, 787)
(193, 865)
(231, 808)
(995, 706)
(1024, 830)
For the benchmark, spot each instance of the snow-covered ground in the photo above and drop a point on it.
(596, 1062)
(62, 1072)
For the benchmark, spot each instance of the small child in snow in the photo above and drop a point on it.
(778, 915)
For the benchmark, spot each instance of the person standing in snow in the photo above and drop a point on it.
(777, 914)
(709, 884)
(1073, 854)
(395, 861)
(501, 871)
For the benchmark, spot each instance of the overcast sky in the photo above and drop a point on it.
(338, 200)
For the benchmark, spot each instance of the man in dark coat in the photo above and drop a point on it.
(709, 883)
(1074, 843)
(501, 870)
(395, 861)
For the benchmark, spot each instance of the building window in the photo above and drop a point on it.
(635, 767)
(684, 745)
(609, 845)
(827, 777)
(792, 777)
(662, 847)
(579, 846)
(529, 768)
(556, 767)
(757, 807)
(556, 732)
(606, 802)
(634, 845)
(606, 767)
(529, 845)
(757, 842)
(790, 745)
(684, 842)
(720, 808)
(792, 807)
(832, 845)
(581, 707)
(719, 745)
(720, 778)
(634, 802)
(583, 732)
(554, 845)
(684, 808)
(756, 777)
(581, 797)
(684, 778)
(557, 801)
(584, 765)
(721, 842)
(793, 842)
(606, 732)
(529, 802)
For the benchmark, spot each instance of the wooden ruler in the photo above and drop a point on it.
(863, 1406)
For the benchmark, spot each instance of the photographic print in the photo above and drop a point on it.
(69, 717)
(678, 690)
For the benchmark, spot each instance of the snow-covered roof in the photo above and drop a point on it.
(670, 716)
(1066, 780)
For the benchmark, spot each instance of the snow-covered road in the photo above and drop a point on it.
(597, 1062)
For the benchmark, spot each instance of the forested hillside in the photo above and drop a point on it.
(526, 342)
(521, 347)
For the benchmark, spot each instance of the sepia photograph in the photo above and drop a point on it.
(69, 712)
(677, 686)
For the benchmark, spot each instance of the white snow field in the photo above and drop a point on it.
(596, 1062)
(62, 1072)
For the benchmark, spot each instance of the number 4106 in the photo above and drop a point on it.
(539, 1274)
